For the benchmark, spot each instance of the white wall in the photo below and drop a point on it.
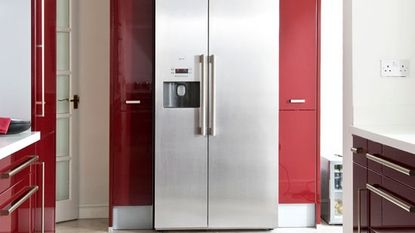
(93, 72)
(331, 78)
(382, 29)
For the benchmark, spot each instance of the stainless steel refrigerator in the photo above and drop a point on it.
(216, 112)
(15, 59)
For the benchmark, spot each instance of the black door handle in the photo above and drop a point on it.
(75, 101)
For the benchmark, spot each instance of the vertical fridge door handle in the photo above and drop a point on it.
(212, 112)
(203, 96)
(42, 47)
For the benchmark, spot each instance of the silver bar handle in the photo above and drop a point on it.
(16, 204)
(356, 150)
(19, 168)
(212, 117)
(297, 101)
(391, 198)
(203, 105)
(42, 46)
(401, 169)
(131, 102)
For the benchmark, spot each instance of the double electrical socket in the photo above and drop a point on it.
(395, 68)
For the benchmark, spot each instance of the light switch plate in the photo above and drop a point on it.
(395, 68)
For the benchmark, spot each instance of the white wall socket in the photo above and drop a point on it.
(395, 68)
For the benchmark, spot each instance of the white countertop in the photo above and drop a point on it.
(10, 144)
(401, 137)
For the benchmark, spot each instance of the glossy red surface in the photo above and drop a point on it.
(20, 220)
(11, 162)
(299, 79)
(45, 148)
(299, 53)
(298, 158)
(132, 75)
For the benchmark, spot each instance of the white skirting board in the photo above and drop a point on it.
(132, 217)
(93, 211)
(296, 215)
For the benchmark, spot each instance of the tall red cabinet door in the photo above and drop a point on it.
(298, 149)
(299, 54)
(44, 105)
(131, 147)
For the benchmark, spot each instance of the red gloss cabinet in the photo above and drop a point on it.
(298, 147)
(44, 119)
(131, 114)
(299, 52)
(299, 169)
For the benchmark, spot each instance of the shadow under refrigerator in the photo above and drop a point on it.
(216, 114)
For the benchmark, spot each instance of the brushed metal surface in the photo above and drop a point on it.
(180, 149)
(243, 154)
(132, 217)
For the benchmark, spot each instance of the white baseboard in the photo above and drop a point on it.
(93, 211)
(296, 215)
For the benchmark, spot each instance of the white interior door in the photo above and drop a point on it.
(67, 123)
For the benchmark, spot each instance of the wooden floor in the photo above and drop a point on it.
(101, 226)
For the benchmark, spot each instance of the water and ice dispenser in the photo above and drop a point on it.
(181, 94)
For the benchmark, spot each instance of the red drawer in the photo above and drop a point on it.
(359, 150)
(15, 207)
(13, 168)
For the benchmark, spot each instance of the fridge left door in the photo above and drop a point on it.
(243, 150)
(15, 59)
(180, 149)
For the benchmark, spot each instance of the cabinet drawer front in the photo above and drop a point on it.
(394, 216)
(375, 201)
(374, 149)
(15, 167)
(360, 146)
(13, 201)
(405, 161)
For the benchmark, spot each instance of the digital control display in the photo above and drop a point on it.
(181, 71)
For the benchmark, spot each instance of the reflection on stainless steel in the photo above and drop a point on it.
(227, 179)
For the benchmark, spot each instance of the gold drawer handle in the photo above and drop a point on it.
(404, 170)
(15, 205)
(391, 198)
(19, 168)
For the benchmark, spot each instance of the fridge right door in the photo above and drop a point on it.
(243, 152)
(180, 148)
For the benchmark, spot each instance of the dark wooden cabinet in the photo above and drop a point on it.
(388, 188)
(360, 198)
